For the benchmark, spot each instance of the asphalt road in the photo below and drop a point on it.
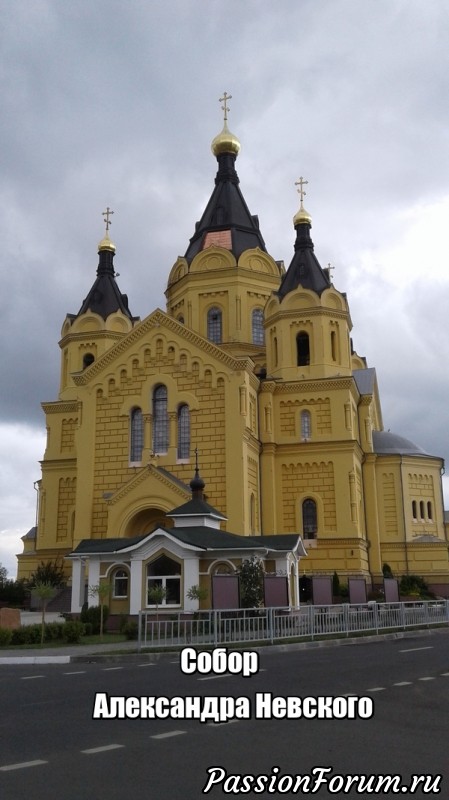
(50, 747)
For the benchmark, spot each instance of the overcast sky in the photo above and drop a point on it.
(115, 103)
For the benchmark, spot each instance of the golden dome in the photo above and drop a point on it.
(302, 216)
(225, 142)
(106, 244)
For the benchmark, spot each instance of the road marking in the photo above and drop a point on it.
(102, 749)
(110, 669)
(377, 689)
(403, 683)
(80, 672)
(444, 674)
(31, 677)
(427, 679)
(167, 735)
(228, 722)
(415, 649)
(224, 675)
(147, 665)
(23, 765)
(349, 694)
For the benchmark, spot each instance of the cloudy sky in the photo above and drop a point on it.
(115, 102)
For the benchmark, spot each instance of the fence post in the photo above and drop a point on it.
(375, 608)
(270, 621)
(346, 618)
(404, 625)
(312, 621)
(447, 610)
(426, 612)
(139, 643)
(215, 618)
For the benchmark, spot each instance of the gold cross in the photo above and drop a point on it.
(301, 183)
(106, 214)
(225, 108)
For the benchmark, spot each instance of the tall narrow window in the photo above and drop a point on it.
(160, 420)
(414, 510)
(136, 444)
(421, 509)
(183, 432)
(166, 573)
(120, 583)
(258, 332)
(429, 511)
(306, 425)
(309, 519)
(303, 349)
(275, 351)
(214, 326)
(334, 345)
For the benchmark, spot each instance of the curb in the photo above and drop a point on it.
(154, 657)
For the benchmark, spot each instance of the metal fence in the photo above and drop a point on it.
(234, 626)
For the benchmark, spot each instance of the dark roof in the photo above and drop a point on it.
(200, 536)
(31, 534)
(107, 545)
(226, 211)
(365, 380)
(386, 443)
(304, 269)
(196, 507)
(105, 297)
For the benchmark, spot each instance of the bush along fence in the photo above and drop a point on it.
(269, 625)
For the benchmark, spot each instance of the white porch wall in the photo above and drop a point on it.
(78, 580)
(191, 578)
(135, 599)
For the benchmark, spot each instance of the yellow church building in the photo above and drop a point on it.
(252, 365)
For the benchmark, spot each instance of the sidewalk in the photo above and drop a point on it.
(125, 651)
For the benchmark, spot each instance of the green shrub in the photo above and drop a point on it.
(91, 614)
(131, 629)
(5, 637)
(73, 631)
(53, 631)
(88, 628)
(27, 634)
(413, 584)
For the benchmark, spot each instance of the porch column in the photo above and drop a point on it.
(78, 580)
(135, 591)
(191, 578)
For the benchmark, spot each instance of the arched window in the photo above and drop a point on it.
(160, 420)
(258, 333)
(120, 583)
(429, 511)
(166, 573)
(309, 519)
(334, 345)
(183, 432)
(88, 359)
(421, 509)
(303, 349)
(136, 444)
(214, 325)
(414, 510)
(306, 425)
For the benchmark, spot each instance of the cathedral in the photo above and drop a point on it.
(249, 375)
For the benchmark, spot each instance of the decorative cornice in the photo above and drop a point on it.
(322, 384)
(156, 320)
(84, 335)
(61, 407)
(296, 314)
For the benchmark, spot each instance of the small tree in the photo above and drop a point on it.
(3, 575)
(387, 571)
(197, 592)
(44, 591)
(51, 572)
(100, 590)
(156, 596)
(251, 583)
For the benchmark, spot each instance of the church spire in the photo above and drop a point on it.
(226, 221)
(304, 269)
(105, 297)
